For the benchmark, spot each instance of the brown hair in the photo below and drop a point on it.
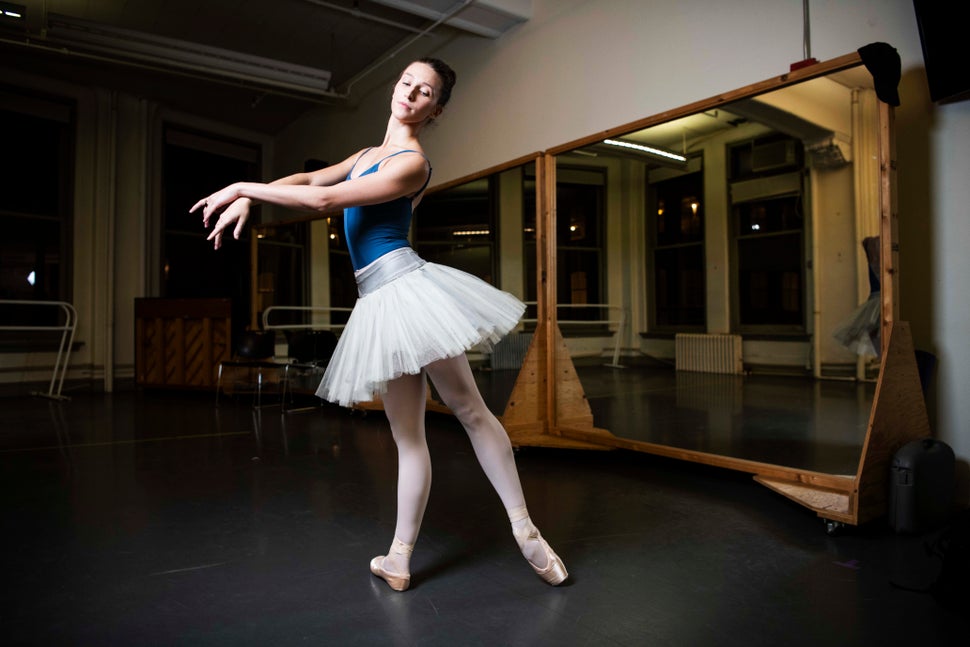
(445, 73)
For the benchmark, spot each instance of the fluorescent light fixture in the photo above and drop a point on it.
(129, 46)
(650, 150)
(471, 232)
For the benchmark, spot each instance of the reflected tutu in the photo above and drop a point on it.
(412, 313)
(859, 332)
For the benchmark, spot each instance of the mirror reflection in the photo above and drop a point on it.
(735, 247)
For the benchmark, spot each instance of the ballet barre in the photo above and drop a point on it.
(311, 309)
(64, 349)
(619, 322)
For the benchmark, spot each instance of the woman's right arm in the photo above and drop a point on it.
(238, 211)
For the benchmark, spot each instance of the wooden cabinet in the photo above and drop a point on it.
(179, 343)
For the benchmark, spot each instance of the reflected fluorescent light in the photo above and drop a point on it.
(471, 232)
(650, 150)
(32, 277)
(11, 10)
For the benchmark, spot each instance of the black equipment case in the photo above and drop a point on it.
(922, 486)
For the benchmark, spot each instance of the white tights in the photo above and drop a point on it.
(404, 404)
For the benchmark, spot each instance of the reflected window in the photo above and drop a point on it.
(37, 167)
(282, 280)
(457, 227)
(580, 224)
(768, 220)
(676, 214)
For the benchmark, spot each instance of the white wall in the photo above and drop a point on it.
(581, 66)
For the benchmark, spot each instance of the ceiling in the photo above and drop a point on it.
(352, 40)
(682, 135)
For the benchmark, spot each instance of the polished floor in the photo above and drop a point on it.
(158, 518)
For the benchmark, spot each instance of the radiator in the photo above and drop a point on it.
(708, 353)
(510, 351)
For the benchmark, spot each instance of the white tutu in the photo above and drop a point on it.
(422, 313)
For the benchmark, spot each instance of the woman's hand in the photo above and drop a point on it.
(231, 209)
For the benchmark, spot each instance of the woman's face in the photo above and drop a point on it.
(415, 97)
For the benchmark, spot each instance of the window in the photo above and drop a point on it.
(677, 235)
(457, 227)
(37, 167)
(194, 165)
(580, 217)
(767, 212)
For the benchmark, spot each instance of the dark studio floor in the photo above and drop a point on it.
(157, 518)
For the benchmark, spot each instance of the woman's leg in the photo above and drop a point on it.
(456, 385)
(404, 404)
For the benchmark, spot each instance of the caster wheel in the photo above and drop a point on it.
(833, 528)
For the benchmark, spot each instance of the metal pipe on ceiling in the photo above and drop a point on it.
(373, 66)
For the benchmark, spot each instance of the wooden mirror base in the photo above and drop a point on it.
(898, 416)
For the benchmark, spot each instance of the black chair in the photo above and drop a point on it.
(311, 347)
(254, 352)
(309, 353)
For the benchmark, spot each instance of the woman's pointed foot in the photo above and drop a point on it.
(396, 581)
(554, 572)
(550, 568)
(400, 554)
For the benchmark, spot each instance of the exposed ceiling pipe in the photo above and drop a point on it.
(807, 33)
(348, 86)
(357, 13)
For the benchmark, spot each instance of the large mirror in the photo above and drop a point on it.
(710, 285)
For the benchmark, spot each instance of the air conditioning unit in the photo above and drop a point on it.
(773, 156)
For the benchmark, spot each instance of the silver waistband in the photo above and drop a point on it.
(385, 269)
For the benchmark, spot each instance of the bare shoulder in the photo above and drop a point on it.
(409, 160)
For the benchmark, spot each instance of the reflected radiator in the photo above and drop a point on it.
(708, 353)
(510, 351)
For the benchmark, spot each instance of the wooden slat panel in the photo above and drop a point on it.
(180, 342)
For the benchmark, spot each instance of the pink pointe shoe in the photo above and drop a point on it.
(554, 572)
(397, 581)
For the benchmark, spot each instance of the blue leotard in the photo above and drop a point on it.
(374, 230)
